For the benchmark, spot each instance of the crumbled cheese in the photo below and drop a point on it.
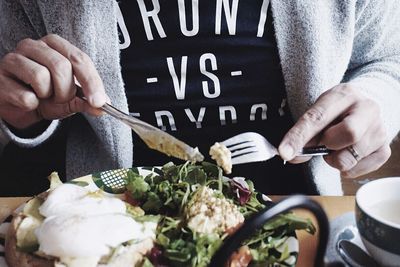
(222, 155)
(208, 213)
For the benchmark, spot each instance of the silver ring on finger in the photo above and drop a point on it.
(354, 153)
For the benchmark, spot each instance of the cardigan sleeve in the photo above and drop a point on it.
(375, 61)
(15, 26)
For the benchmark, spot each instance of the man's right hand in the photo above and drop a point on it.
(37, 82)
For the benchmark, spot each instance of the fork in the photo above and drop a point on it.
(153, 137)
(252, 147)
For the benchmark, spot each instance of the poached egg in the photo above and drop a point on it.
(84, 225)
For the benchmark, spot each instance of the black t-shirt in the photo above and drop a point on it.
(205, 72)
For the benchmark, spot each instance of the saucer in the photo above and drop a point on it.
(343, 227)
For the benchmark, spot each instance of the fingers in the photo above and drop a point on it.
(59, 67)
(50, 110)
(39, 78)
(302, 159)
(370, 163)
(29, 72)
(344, 160)
(343, 119)
(83, 68)
(328, 107)
(353, 127)
(19, 96)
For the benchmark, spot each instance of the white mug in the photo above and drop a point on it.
(378, 219)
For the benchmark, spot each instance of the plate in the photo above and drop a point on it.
(112, 182)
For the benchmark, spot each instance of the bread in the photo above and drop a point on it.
(17, 258)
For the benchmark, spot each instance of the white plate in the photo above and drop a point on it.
(113, 184)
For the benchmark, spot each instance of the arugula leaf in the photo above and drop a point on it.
(153, 203)
(291, 222)
(206, 246)
(196, 176)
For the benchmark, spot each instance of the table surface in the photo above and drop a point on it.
(333, 206)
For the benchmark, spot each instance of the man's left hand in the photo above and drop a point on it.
(347, 122)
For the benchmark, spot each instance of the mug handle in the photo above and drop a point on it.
(257, 221)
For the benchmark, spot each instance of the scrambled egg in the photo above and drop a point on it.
(222, 155)
(208, 213)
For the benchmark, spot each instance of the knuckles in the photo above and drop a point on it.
(315, 115)
(60, 66)
(28, 43)
(52, 37)
(10, 57)
(24, 44)
(350, 133)
(79, 58)
(28, 101)
(41, 79)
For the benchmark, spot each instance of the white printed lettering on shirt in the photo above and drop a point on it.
(146, 15)
(223, 110)
(179, 85)
(212, 76)
(199, 119)
(124, 30)
(263, 18)
(195, 19)
(170, 117)
(230, 15)
(254, 109)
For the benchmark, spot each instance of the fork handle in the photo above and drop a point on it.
(315, 151)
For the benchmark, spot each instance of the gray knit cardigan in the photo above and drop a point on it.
(321, 44)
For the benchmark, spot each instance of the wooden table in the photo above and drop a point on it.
(334, 206)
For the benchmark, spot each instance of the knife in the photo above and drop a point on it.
(153, 137)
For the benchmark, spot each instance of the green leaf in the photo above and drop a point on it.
(163, 240)
(211, 169)
(31, 208)
(134, 210)
(79, 183)
(179, 256)
(146, 263)
(29, 249)
(153, 203)
(136, 185)
(292, 222)
(148, 218)
(196, 176)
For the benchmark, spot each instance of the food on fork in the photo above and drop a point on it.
(223, 156)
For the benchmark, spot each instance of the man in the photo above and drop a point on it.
(207, 71)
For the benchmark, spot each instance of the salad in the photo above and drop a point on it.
(197, 208)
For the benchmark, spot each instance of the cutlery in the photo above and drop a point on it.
(354, 255)
(251, 147)
(153, 137)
